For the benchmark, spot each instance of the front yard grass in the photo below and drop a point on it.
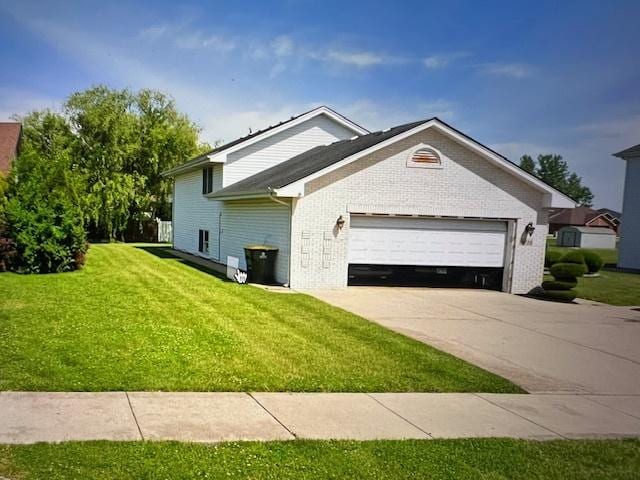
(614, 288)
(132, 320)
(433, 459)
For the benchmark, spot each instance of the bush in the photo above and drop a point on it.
(559, 284)
(48, 234)
(560, 295)
(568, 271)
(593, 261)
(573, 256)
(551, 257)
(7, 253)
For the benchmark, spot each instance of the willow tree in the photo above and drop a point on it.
(123, 140)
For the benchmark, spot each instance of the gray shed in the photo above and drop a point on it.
(586, 237)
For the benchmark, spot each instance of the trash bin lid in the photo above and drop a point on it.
(261, 247)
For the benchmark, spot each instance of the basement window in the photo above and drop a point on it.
(207, 180)
(203, 241)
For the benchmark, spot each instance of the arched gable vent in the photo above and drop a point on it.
(424, 158)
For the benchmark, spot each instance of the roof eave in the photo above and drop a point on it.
(194, 165)
(239, 195)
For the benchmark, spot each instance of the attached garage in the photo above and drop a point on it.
(417, 204)
(468, 252)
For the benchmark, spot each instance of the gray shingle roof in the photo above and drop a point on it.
(310, 162)
(629, 152)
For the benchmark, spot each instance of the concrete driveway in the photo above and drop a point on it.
(541, 346)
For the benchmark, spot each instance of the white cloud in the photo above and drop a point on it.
(435, 62)
(198, 39)
(282, 46)
(19, 102)
(153, 32)
(624, 130)
(360, 59)
(182, 35)
(513, 70)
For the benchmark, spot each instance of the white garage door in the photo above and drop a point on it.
(426, 241)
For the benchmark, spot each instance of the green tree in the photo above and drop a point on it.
(528, 163)
(124, 141)
(46, 162)
(44, 222)
(115, 143)
(554, 170)
(104, 149)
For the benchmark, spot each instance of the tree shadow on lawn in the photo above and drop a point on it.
(166, 253)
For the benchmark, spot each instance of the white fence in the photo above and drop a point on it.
(164, 231)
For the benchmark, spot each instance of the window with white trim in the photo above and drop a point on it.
(203, 241)
(207, 180)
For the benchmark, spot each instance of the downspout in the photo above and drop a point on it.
(272, 196)
(173, 215)
(219, 234)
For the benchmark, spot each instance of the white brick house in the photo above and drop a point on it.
(420, 201)
(629, 250)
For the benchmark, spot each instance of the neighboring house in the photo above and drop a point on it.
(336, 199)
(581, 217)
(629, 255)
(586, 237)
(612, 214)
(10, 134)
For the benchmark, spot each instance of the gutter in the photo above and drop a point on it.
(238, 196)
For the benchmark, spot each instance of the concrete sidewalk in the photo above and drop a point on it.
(28, 417)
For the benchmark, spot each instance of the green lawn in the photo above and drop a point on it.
(614, 288)
(135, 320)
(432, 459)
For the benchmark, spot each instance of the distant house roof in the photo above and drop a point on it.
(590, 230)
(612, 213)
(631, 152)
(576, 216)
(309, 162)
(9, 141)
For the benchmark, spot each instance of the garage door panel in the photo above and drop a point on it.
(394, 241)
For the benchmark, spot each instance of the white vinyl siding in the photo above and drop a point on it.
(232, 225)
(241, 223)
(630, 228)
(421, 241)
(320, 130)
(261, 222)
(193, 212)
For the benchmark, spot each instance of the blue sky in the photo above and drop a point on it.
(521, 77)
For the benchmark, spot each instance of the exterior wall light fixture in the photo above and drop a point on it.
(340, 222)
(530, 229)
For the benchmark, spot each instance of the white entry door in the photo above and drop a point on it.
(381, 240)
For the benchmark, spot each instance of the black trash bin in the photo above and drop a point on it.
(261, 263)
